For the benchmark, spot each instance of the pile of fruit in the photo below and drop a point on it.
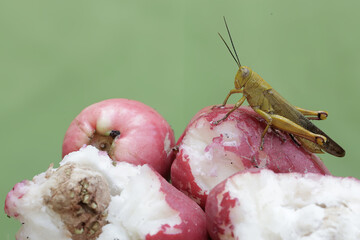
(123, 177)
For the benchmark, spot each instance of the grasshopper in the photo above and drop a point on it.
(277, 111)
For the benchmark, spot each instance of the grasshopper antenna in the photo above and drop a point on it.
(238, 63)
(237, 57)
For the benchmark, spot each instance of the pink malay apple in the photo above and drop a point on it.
(127, 130)
(210, 153)
(92, 197)
(260, 204)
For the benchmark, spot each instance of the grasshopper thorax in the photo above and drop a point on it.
(242, 76)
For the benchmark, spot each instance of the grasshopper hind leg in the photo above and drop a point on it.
(293, 138)
(279, 134)
(308, 145)
(288, 126)
(300, 142)
(316, 115)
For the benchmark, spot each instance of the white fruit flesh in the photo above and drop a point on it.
(209, 153)
(135, 206)
(210, 162)
(292, 206)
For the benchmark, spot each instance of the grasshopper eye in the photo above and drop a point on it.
(245, 72)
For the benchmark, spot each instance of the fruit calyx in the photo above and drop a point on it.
(104, 142)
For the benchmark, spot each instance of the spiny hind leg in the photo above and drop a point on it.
(320, 115)
(288, 126)
(237, 105)
(295, 140)
(310, 146)
(279, 134)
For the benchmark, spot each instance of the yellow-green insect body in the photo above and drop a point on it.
(278, 112)
(253, 88)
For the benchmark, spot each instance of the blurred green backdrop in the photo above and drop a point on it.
(57, 57)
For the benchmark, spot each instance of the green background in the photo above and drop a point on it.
(57, 57)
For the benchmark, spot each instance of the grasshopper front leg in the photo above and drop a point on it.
(237, 105)
(288, 126)
(231, 93)
(227, 97)
(320, 115)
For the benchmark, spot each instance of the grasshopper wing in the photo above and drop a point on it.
(282, 107)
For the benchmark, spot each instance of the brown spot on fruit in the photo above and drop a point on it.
(81, 198)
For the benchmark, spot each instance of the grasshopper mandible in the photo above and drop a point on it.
(278, 112)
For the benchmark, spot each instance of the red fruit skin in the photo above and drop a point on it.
(279, 155)
(193, 219)
(145, 136)
(217, 215)
(17, 191)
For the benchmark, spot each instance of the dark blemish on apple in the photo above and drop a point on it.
(114, 133)
(175, 149)
(322, 205)
(278, 167)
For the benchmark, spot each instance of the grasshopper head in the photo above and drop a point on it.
(242, 76)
